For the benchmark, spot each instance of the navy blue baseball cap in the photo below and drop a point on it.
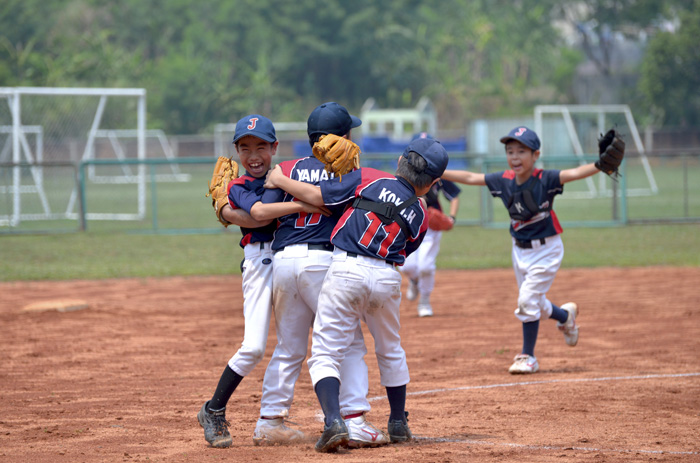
(425, 135)
(433, 152)
(331, 118)
(525, 136)
(257, 126)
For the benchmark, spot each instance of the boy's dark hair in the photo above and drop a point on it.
(412, 169)
(314, 138)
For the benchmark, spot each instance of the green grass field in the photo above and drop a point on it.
(179, 234)
(97, 255)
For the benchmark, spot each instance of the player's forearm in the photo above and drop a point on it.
(261, 211)
(241, 218)
(577, 173)
(301, 190)
(464, 176)
(454, 207)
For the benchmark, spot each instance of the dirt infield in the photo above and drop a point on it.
(123, 379)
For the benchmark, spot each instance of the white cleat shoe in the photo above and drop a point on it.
(425, 310)
(523, 365)
(274, 431)
(363, 434)
(412, 292)
(569, 327)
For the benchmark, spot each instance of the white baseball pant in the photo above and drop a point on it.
(421, 264)
(257, 307)
(298, 275)
(358, 288)
(535, 270)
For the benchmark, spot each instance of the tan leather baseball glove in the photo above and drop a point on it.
(338, 154)
(225, 170)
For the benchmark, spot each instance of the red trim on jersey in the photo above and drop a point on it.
(555, 222)
(288, 166)
(237, 181)
(246, 239)
(341, 223)
(370, 176)
(510, 174)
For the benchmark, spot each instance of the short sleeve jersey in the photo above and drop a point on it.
(243, 192)
(544, 185)
(302, 227)
(362, 231)
(449, 189)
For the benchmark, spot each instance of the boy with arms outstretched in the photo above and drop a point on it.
(528, 194)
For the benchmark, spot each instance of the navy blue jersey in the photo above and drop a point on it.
(243, 192)
(449, 189)
(302, 227)
(544, 185)
(361, 231)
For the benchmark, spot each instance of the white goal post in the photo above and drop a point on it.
(67, 122)
(602, 114)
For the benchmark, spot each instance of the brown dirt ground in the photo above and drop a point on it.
(124, 379)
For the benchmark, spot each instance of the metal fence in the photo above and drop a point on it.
(168, 195)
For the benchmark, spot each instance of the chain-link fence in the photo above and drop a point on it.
(148, 197)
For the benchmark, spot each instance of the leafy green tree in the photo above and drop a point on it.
(213, 61)
(671, 73)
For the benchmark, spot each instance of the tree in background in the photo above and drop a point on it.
(671, 73)
(203, 63)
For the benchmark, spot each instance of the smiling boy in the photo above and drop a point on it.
(256, 142)
(528, 194)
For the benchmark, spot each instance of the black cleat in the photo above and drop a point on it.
(333, 437)
(215, 427)
(399, 430)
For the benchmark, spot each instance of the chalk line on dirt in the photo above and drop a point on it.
(552, 447)
(549, 381)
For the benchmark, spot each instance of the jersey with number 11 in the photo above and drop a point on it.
(364, 232)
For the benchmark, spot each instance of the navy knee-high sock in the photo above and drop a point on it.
(559, 314)
(530, 330)
(397, 402)
(227, 384)
(328, 393)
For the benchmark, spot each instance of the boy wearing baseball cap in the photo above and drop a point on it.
(383, 222)
(528, 194)
(255, 142)
(303, 253)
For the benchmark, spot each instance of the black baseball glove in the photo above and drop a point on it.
(611, 151)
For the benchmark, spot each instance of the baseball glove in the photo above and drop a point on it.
(611, 150)
(438, 221)
(338, 154)
(225, 170)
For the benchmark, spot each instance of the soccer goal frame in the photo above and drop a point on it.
(22, 154)
(600, 111)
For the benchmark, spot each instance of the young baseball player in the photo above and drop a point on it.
(528, 193)
(255, 143)
(420, 266)
(383, 222)
(303, 253)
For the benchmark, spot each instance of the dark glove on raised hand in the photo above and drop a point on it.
(611, 151)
